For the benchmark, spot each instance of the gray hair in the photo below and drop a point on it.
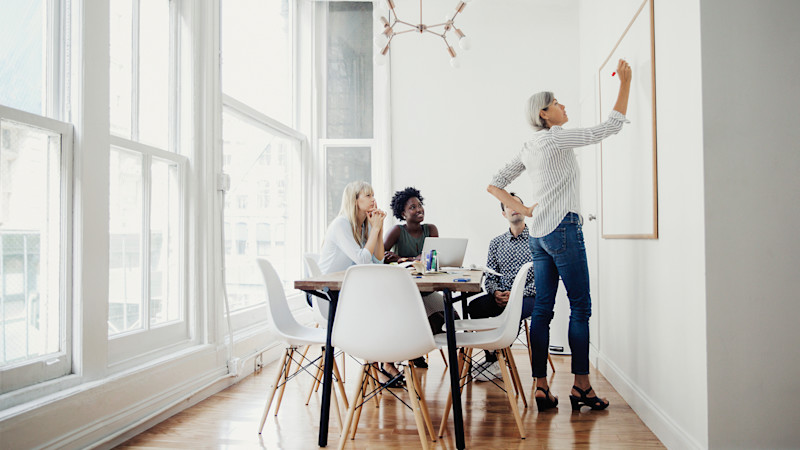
(536, 103)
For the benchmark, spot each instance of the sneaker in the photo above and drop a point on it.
(420, 362)
(486, 371)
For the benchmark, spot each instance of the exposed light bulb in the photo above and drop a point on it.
(455, 62)
(380, 40)
(465, 43)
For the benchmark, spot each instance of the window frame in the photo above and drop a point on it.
(254, 315)
(150, 340)
(58, 364)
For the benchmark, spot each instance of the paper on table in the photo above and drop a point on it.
(485, 269)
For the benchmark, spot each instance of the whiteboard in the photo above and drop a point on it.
(628, 172)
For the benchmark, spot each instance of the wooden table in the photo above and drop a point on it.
(445, 282)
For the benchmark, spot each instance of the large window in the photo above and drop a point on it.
(147, 240)
(35, 195)
(265, 219)
(34, 220)
(348, 127)
(261, 150)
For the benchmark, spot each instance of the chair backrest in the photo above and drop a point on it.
(380, 316)
(319, 306)
(280, 316)
(312, 264)
(507, 332)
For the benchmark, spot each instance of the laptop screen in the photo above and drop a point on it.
(450, 251)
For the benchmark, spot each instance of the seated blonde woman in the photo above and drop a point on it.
(355, 236)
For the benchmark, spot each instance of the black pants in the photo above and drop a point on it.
(481, 308)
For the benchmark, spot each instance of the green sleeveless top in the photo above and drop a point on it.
(408, 246)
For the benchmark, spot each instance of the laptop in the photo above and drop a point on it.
(450, 251)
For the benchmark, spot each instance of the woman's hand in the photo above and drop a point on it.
(624, 72)
(529, 211)
(389, 257)
(375, 218)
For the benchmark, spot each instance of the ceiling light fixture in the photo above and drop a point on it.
(390, 29)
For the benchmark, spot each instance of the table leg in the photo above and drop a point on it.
(327, 378)
(455, 389)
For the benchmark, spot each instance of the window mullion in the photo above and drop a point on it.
(148, 191)
(135, 72)
(174, 76)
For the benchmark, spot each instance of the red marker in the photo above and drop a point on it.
(613, 73)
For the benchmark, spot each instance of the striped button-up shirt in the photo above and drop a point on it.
(549, 159)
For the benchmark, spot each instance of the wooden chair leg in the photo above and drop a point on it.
(272, 390)
(340, 383)
(286, 377)
(551, 362)
(512, 364)
(354, 425)
(317, 378)
(336, 407)
(528, 337)
(423, 404)
(511, 398)
(351, 410)
(444, 358)
(449, 404)
(374, 384)
(344, 367)
(415, 406)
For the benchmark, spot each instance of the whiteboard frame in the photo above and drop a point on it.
(653, 234)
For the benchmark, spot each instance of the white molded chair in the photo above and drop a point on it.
(380, 317)
(286, 327)
(489, 323)
(499, 338)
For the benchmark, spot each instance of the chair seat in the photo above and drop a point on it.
(486, 340)
(488, 323)
(304, 336)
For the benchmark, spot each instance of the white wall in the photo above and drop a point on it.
(751, 135)
(452, 129)
(650, 302)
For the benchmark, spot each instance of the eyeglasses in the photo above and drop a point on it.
(555, 103)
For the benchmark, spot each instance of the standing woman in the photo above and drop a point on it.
(355, 236)
(556, 233)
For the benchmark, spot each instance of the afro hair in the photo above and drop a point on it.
(400, 198)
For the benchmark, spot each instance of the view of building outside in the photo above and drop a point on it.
(262, 167)
(30, 221)
(348, 98)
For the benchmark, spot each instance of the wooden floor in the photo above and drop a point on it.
(230, 418)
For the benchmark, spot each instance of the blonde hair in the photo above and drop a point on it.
(536, 103)
(350, 208)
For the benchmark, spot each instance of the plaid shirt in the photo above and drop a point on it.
(506, 255)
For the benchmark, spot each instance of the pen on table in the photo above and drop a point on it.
(461, 279)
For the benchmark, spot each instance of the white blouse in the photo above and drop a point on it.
(549, 159)
(340, 250)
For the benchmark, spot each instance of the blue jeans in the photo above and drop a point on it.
(561, 253)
